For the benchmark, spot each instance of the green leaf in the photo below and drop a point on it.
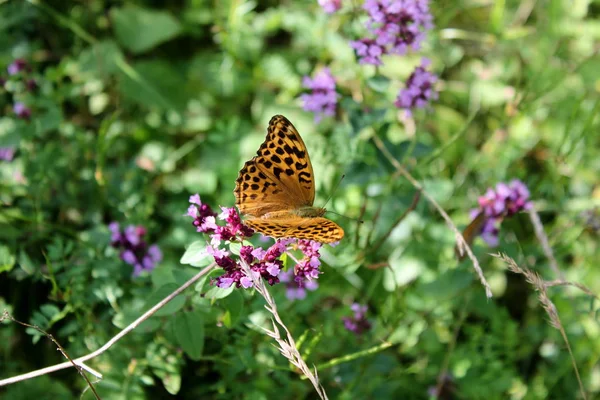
(450, 284)
(150, 84)
(140, 29)
(403, 270)
(196, 255)
(379, 83)
(7, 259)
(100, 58)
(189, 332)
(218, 293)
(234, 304)
(25, 263)
(162, 292)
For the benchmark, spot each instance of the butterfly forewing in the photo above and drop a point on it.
(279, 181)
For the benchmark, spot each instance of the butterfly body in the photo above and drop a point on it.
(275, 189)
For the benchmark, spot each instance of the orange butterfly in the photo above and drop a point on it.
(275, 189)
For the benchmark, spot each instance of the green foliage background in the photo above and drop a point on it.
(141, 104)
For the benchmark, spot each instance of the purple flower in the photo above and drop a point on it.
(496, 204)
(418, 90)
(129, 257)
(22, 111)
(204, 216)
(330, 6)
(358, 323)
(266, 264)
(369, 51)
(31, 85)
(134, 250)
(7, 153)
(295, 290)
(17, 66)
(395, 26)
(323, 99)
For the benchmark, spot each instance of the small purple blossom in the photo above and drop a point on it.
(330, 6)
(22, 111)
(496, 204)
(134, 250)
(369, 51)
(394, 26)
(17, 66)
(295, 290)
(323, 99)
(358, 323)
(263, 263)
(419, 90)
(7, 153)
(31, 85)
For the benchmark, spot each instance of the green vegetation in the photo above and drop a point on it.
(120, 111)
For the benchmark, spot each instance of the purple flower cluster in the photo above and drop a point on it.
(17, 66)
(394, 27)
(134, 250)
(496, 204)
(358, 323)
(205, 221)
(264, 263)
(19, 71)
(323, 99)
(330, 6)
(419, 89)
(7, 153)
(22, 111)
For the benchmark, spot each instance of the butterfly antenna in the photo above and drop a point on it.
(334, 189)
(331, 195)
(360, 221)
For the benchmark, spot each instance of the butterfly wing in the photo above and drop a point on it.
(319, 229)
(280, 176)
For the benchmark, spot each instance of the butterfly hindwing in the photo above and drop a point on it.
(319, 229)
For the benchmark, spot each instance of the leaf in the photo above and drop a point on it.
(234, 305)
(150, 84)
(379, 83)
(25, 263)
(450, 284)
(100, 58)
(7, 259)
(218, 293)
(196, 255)
(403, 270)
(140, 29)
(162, 292)
(189, 332)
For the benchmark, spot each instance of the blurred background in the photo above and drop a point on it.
(114, 113)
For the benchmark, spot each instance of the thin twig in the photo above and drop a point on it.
(540, 286)
(80, 367)
(459, 237)
(287, 346)
(363, 208)
(541, 235)
(115, 338)
(398, 220)
(357, 355)
(561, 282)
(374, 222)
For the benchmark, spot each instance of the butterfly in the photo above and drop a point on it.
(275, 190)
